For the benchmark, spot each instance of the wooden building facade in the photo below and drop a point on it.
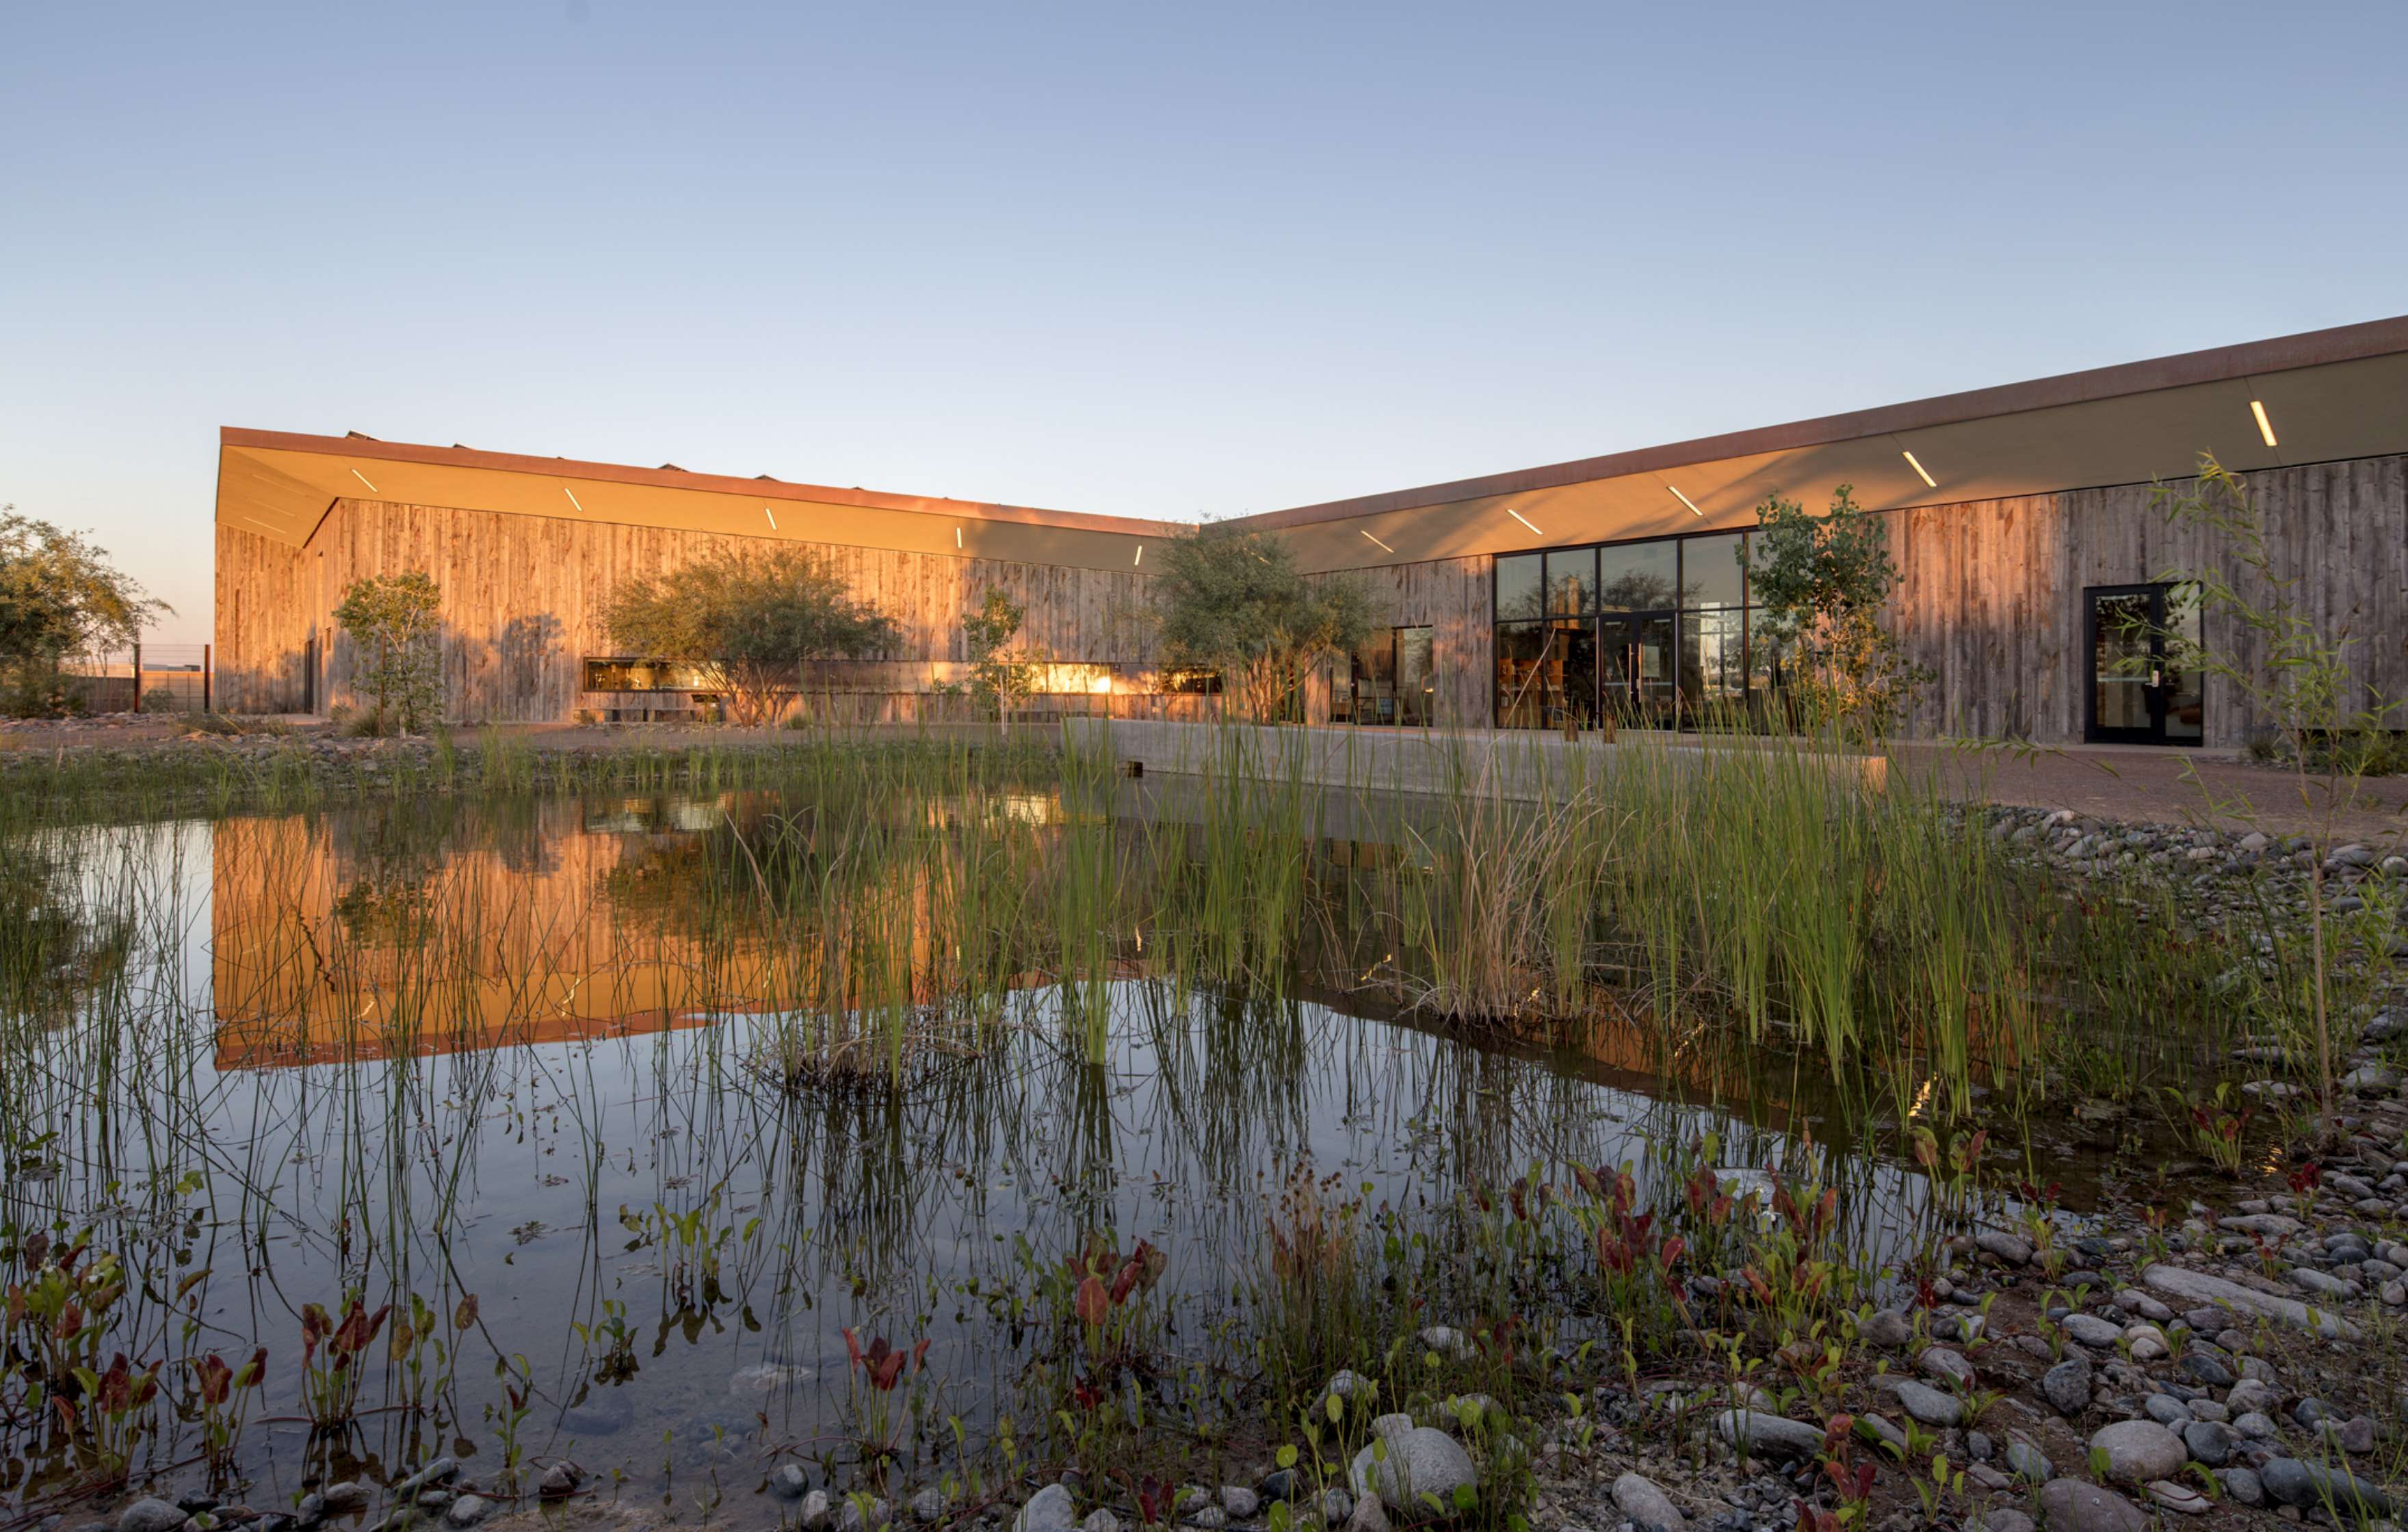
(2026, 521)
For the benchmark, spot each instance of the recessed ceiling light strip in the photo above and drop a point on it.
(1920, 471)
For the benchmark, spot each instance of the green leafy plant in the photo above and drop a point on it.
(1233, 601)
(1820, 585)
(1000, 674)
(750, 622)
(392, 622)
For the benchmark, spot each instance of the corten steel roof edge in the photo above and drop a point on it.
(2217, 364)
(679, 478)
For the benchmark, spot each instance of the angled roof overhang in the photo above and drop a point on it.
(280, 485)
(2329, 394)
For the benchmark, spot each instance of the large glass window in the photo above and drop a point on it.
(1639, 575)
(1655, 633)
(1521, 586)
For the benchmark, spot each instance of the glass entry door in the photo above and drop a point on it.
(2137, 695)
(1635, 659)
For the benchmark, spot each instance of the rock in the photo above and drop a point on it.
(2070, 1505)
(2005, 1519)
(343, 1497)
(2210, 1443)
(1939, 1362)
(1885, 1329)
(441, 1471)
(2167, 1411)
(1448, 1342)
(1345, 1384)
(2205, 1371)
(2355, 1435)
(2241, 1486)
(1239, 1502)
(2267, 1225)
(1369, 1515)
(2029, 1462)
(816, 1512)
(2092, 1331)
(2254, 1425)
(2198, 1288)
(1927, 1404)
(1100, 1520)
(1336, 1507)
(2292, 1482)
(467, 1510)
(2252, 1393)
(789, 1483)
(2178, 1499)
(2011, 1249)
(1756, 1432)
(1649, 1508)
(2068, 1385)
(561, 1478)
(928, 1506)
(1050, 1510)
(149, 1515)
(863, 1513)
(2139, 1450)
(1419, 1460)
(2146, 1341)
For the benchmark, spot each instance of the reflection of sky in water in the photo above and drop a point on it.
(503, 1172)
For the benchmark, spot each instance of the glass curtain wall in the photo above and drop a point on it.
(1652, 634)
(1389, 680)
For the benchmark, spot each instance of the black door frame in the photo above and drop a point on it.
(1620, 691)
(2153, 733)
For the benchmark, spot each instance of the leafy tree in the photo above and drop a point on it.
(750, 620)
(392, 620)
(2299, 680)
(1234, 601)
(1000, 674)
(1819, 584)
(60, 595)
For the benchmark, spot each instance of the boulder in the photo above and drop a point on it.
(1650, 1508)
(1050, 1510)
(1417, 1461)
(2289, 1481)
(2198, 1288)
(2068, 1385)
(2071, 1504)
(2139, 1450)
(1756, 1432)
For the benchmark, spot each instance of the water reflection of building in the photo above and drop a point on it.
(427, 927)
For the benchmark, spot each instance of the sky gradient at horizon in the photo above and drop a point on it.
(1132, 260)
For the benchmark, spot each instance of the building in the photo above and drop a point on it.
(2022, 517)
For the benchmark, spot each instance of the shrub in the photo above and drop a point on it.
(1819, 584)
(750, 621)
(392, 619)
(1234, 601)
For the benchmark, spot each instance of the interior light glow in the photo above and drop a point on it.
(1524, 519)
(2265, 426)
(1685, 500)
(1376, 542)
(1920, 471)
(572, 498)
(773, 517)
(363, 479)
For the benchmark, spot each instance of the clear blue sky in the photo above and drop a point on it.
(1154, 259)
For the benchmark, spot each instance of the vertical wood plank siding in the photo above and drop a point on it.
(1990, 600)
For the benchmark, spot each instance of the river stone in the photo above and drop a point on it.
(816, 1512)
(1050, 1510)
(2242, 1485)
(1772, 1436)
(1927, 1404)
(2029, 1462)
(2305, 1484)
(2167, 1411)
(2011, 1249)
(2179, 1498)
(2206, 1370)
(2252, 1393)
(1939, 1362)
(1649, 1508)
(2139, 1450)
(2198, 1288)
(149, 1515)
(1421, 1460)
(2005, 1519)
(928, 1506)
(789, 1482)
(1240, 1501)
(858, 1514)
(1368, 1516)
(467, 1512)
(2068, 1385)
(2090, 1331)
(1886, 1329)
(2254, 1425)
(2070, 1505)
(344, 1498)
(2210, 1443)
(1100, 1520)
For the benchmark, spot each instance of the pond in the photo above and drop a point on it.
(641, 1128)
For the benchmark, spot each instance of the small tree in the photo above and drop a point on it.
(749, 619)
(1234, 601)
(59, 595)
(2300, 684)
(1000, 674)
(1819, 584)
(391, 620)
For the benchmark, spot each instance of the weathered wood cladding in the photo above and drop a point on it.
(1991, 599)
(1991, 596)
(522, 597)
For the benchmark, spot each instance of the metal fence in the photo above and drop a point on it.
(144, 678)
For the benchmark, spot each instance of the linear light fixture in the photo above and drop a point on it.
(572, 498)
(1920, 471)
(2265, 426)
(1524, 519)
(957, 536)
(363, 479)
(1376, 542)
(1685, 500)
(1140, 556)
(773, 517)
